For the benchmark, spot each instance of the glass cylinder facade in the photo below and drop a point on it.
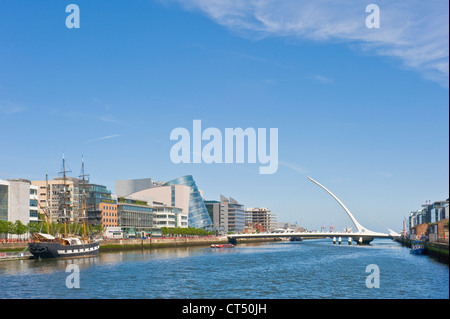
(198, 214)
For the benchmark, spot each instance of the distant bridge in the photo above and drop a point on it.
(361, 236)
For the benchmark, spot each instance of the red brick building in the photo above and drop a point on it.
(109, 214)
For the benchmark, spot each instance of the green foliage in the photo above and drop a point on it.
(55, 229)
(33, 227)
(97, 229)
(19, 228)
(7, 228)
(132, 201)
(3, 227)
(185, 231)
(10, 228)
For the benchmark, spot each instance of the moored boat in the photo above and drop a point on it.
(67, 246)
(417, 248)
(47, 246)
(222, 246)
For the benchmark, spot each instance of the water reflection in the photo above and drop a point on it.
(46, 266)
(308, 269)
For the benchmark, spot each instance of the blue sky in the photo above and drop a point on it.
(362, 111)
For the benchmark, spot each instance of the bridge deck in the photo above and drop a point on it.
(299, 234)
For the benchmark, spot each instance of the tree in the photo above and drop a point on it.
(97, 229)
(3, 227)
(185, 231)
(10, 228)
(33, 228)
(19, 228)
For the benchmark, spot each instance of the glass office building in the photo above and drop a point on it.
(4, 202)
(198, 214)
(236, 216)
(135, 219)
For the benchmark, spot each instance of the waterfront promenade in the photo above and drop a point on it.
(14, 250)
(17, 249)
(158, 241)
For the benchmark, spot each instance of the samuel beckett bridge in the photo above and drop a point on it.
(361, 236)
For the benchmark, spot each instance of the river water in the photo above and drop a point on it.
(310, 269)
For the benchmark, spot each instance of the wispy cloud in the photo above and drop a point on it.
(294, 167)
(101, 103)
(414, 31)
(385, 174)
(109, 118)
(269, 81)
(8, 108)
(101, 138)
(322, 79)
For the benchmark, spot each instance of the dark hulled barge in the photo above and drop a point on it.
(47, 246)
(67, 246)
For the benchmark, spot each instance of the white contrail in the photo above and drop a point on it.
(102, 138)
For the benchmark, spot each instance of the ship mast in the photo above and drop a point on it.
(84, 206)
(65, 199)
(66, 210)
(47, 202)
(46, 209)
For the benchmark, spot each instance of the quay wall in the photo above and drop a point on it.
(155, 242)
(109, 245)
(13, 246)
(437, 250)
(128, 244)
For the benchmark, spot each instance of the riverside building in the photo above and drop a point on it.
(130, 186)
(171, 204)
(181, 196)
(235, 216)
(18, 201)
(198, 214)
(431, 220)
(134, 217)
(51, 192)
(260, 218)
(216, 210)
(108, 214)
(227, 215)
(141, 216)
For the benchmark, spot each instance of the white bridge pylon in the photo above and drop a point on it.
(358, 226)
(362, 235)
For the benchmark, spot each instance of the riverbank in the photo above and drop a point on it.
(434, 249)
(149, 243)
(130, 244)
(10, 251)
